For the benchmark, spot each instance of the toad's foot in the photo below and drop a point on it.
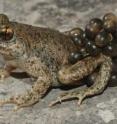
(21, 100)
(5, 72)
(31, 97)
(72, 95)
(98, 87)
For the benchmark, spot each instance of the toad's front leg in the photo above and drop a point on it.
(34, 67)
(84, 68)
(5, 71)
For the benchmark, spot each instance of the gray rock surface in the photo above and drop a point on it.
(62, 15)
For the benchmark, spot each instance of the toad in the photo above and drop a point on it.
(44, 54)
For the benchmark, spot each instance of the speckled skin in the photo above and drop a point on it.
(43, 53)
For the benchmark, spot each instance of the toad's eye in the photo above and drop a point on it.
(6, 33)
(4, 19)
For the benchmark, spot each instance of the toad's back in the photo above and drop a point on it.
(51, 46)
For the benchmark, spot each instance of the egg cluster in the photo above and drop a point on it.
(99, 36)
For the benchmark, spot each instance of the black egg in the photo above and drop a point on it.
(84, 52)
(78, 41)
(91, 48)
(113, 80)
(110, 50)
(103, 39)
(110, 26)
(96, 21)
(93, 28)
(110, 22)
(74, 57)
(78, 36)
(90, 80)
(77, 32)
(109, 16)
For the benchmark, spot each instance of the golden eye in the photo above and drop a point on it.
(6, 33)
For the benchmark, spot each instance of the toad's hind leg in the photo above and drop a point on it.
(97, 88)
